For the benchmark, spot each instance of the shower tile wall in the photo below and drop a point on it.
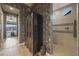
(64, 42)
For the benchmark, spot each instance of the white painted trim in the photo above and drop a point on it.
(2, 25)
(19, 27)
(77, 20)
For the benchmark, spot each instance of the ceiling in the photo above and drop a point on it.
(10, 9)
(55, 5)
(29, 4)
(59, 5)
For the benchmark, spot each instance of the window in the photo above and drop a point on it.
(66, 11)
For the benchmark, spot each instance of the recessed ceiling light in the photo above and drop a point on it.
(11, 8)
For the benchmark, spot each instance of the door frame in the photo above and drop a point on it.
(6, 14)
(18, 26)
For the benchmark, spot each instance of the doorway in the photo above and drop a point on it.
(37, 32)
(10, 30)
(10, 26)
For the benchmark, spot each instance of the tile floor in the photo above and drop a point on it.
(12, 48)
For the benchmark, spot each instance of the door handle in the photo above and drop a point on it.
(75, 29)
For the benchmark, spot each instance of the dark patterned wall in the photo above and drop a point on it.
(45, 10)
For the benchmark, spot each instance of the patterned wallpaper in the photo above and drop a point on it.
(45, 10)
